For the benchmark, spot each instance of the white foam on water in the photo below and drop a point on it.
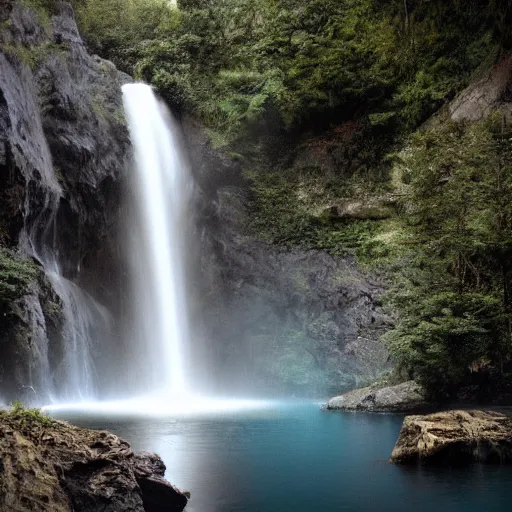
(162, 405)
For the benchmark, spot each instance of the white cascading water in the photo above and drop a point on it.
(72, 376)
(83, 318)
(161, 191)
(158, 227)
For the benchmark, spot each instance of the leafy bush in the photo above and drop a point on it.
(452, 275)
(441, 336)
(30, 417)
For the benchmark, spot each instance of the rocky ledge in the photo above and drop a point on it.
(51, 466)
(404, 397)
(456, 437)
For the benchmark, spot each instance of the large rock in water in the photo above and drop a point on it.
(51, 466)
(455, 437)
(404, 397)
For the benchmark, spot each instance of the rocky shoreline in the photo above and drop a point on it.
(448, 437)
(52, 466)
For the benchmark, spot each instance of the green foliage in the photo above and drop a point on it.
(16, 275)
(280, 213)
(43, 9)
(33, 55)
(442, 336)
(30, 417)
(451, 266)
(113, 28)
(306, 64)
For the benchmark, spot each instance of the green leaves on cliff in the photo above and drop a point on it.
(113, 28)
(29, 418)
(15, 276)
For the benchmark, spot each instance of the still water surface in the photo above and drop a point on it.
(297, 458)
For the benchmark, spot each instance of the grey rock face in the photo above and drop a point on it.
(484, 95)
(284, 321)
(404, 397)
(29, 330)
(62, 135)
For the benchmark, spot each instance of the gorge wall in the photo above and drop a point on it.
(269, 319)
(278, 320)
(62, 134)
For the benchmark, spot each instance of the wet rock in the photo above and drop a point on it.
(457, 437)
(404, 397)
(158, 495)
(51, 466)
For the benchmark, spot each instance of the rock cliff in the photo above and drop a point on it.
(63, 147)
(287, 321)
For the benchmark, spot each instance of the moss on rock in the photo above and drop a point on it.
(52, 466)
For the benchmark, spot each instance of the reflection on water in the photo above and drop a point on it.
(296, 458)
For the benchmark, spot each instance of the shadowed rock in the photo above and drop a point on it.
(51, 466)
(484, 95)
(457, 437)
(282, 320)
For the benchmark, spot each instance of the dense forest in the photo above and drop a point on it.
(364, 84)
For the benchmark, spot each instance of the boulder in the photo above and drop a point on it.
(457, 437)
(52, 466)
(407, 396)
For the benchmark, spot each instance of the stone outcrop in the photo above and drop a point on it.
(51, 466)
(456, 437)
(372, 208)
(404, 397)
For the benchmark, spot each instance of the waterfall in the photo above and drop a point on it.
(70, 375)
(160, 192)
(157, 342)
